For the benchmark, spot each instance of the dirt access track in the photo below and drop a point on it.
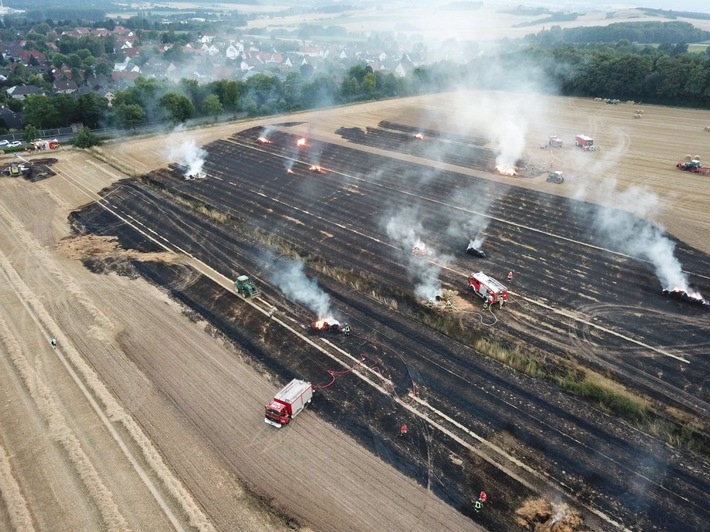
(149, 412)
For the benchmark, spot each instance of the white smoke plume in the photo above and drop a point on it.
(508, 137)
(405, 228)
(289, 276)
(190, 155)
(630, 231)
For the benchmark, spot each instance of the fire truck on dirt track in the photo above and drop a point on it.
(488, 289)
(288, 403)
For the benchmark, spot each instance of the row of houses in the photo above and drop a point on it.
(206, 59)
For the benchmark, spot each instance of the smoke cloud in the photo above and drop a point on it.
(289, 276)
(405, 228)
(189, 155)
(631, 232)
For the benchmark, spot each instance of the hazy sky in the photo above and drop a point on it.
(699, 6)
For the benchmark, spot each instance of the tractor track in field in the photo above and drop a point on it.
(335, 215)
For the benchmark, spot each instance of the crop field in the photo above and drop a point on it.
(582, 400)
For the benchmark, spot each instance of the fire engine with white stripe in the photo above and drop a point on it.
(488, 289)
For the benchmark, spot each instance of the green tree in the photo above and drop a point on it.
(59, 59)
(178, 107)
(92, 108)
(30, 133)
(130, 116)
(66, 110)
(227, 91)
(85, 139)
(212, 106)
(368, 83)
(39, 112)
(74, 61)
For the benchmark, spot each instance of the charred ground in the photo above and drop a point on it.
(578, 307)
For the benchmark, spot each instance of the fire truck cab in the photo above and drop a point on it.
(488, 289)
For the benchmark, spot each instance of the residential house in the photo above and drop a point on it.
(64, 86)
(25, 56)
(20, 92)
(11, 119)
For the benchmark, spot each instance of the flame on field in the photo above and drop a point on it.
(316, 168)
(263, 140)
(506, 169)
(301, 142)
(419, 136)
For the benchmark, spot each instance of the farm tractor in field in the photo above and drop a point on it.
(18, 170)
(693, 165)
(245, 287)
(556, 177)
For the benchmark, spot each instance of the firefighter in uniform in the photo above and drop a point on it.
(403, 430)
(510, 276)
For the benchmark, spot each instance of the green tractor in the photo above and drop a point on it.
(245, 287)
(556, 177)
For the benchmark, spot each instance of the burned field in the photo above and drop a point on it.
(578, 307)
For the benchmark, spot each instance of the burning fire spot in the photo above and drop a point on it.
(508, 170)
(694, 298)
(329, 325)
(419, 136)
(263, 140)
(289, 171)
(420, 250)
(301, 142)
(317, 169)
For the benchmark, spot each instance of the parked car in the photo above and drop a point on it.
(15, 144)
(4, 142)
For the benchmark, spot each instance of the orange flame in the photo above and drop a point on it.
(506, 170)
(289, 171)
(316, 168)
(301, 142)
(263, 140)
(419, 136)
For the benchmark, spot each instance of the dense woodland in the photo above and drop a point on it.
(554, 61)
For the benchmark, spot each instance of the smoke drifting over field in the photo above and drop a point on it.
(631, 232)
(188, 154)
(289, 276)
(423, 263)
(471, 226)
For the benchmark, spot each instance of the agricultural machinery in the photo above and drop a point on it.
(556, 177)
(585, 142)
(245, 287)
(555, 142)
(693, 165)
(18, 170)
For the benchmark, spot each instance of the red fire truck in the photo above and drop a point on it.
(488, 289)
